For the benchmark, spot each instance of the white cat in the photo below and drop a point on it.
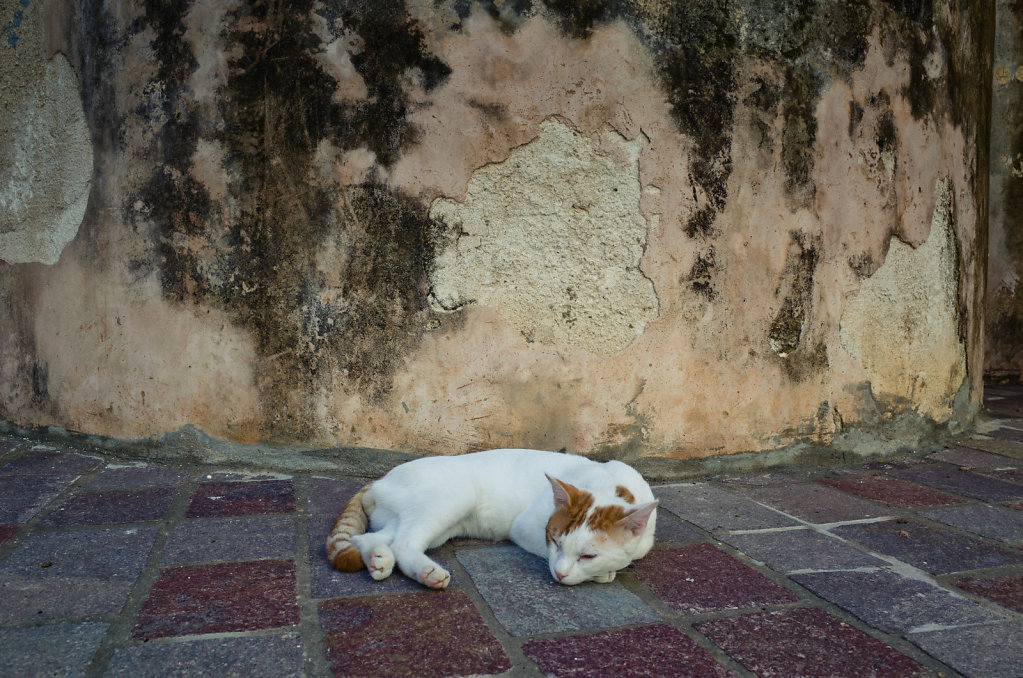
(588, 519)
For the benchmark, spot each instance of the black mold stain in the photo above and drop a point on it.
(801, 92)
(863, 264)
(700, 276)
(855, 117)
(701, 223)
(796, 289)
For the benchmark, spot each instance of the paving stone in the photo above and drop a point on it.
(1005, 433)
(931, 549)
(8, 445)
(891, 602)
(669, 528)
(224, 499)
(994, 522)
(112, 506)
(806, 642)
(6, 532)
(524, 597)
(761, 480)
(657, 651)
(964, 456)
(715, 509)
(1014, 475)
(978, 652)
(816, 503)
(702, 578)
(193, 599)
(424, 634)
(892, 491)
(57, 650)
(792, 550)
(50, 463)
(124, 477)
(965, 483)
(238, 657)
(1006, 591)
(22, 497)
(72, 573)
(206, 540)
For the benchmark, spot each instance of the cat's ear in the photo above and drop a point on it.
(563, 492)
(635, 520)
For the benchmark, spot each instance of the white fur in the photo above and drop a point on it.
(497, 494)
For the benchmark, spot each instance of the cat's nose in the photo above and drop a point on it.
(560, 575)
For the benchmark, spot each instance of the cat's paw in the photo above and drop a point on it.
(435, 577)
(605, 578)
(381, 563)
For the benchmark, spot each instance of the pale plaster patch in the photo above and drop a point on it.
(45, 149)
(552, 237)
(902, 325)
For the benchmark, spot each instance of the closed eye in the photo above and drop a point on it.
(588, 556)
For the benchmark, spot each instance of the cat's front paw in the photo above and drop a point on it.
(605, 578)
(434, 577)
(381, 563)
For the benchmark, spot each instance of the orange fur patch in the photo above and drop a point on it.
(353, 520)
(604, 518)
(570, 516)
(623, 492)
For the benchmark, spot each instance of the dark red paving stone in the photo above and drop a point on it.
(225, 499)
(931, 549)
(1015, 435)
(965, 483)
(658, 651)
(426, 634)
(892, 491)
(805, 642)
(50, 462)
(222, 598)
(815, 503)
(1006, 591)
(6, 532)
(1014, 475)
(702, 578)
(112, 507)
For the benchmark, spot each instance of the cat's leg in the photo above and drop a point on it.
(409, 545)
(374, 547)
(529, 531)
(605, 578)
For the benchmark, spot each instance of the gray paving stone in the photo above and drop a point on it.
(891, 602)
(125, 477)
(237, 657)
(50, 462)
(72, 573)
(932, 549)
(207, 540)
(964, 483)
(994, 522)
(964, 456)
(22, 497)
(978, 652)
(523, 596)
(64, 650)
(816, 503)
(669, 528)
(793, 550)
(715, 509)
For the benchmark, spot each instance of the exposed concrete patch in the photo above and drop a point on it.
(552, 237)
(903, 324)
(45, 149)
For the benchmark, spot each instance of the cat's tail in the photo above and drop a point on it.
(352, 521)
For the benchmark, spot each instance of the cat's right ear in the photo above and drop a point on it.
(562, 491)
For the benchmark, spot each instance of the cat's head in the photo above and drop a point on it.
(587, 541)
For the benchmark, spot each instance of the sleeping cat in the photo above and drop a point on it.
(588, 519)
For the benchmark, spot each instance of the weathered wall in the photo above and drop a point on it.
(645, 227)
(1004, 322)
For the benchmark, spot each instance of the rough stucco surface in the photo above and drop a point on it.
(1004, 322)
(552, 239)
(395, 225)
(45, 149)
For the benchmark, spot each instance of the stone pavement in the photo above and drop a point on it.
(903, 567)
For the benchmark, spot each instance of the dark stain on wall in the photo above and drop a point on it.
(786, 334)
(700, 276)
(800, 94)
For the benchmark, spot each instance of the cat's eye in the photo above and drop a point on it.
(588, 556)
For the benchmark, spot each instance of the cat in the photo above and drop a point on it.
(587, 519)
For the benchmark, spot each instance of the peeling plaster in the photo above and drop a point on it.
(903, 323)
(45, 150)
(552, 238)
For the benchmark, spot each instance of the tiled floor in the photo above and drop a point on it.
(900, 567)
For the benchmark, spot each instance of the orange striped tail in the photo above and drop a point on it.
(352, 521)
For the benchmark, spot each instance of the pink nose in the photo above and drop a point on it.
(559, 575)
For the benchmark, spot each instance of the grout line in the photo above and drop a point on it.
(314, 654)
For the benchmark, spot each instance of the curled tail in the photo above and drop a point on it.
(352, 521)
